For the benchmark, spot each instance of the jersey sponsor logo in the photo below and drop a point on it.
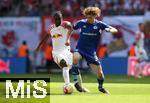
(90, 34)
(57, 36)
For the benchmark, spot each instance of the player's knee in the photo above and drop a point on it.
(76, 58)
(63, 63)
(75, 61)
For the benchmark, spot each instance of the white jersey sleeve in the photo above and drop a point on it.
(139, 37)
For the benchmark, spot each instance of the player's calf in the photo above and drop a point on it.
(65, 71)
(78, 79)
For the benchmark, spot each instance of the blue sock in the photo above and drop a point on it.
(75, 72)
(100, 82)
(75, 78)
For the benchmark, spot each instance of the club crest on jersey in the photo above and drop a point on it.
(95, 27)
(56, 36)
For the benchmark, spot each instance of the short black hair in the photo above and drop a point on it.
(141, 24)
(24, 42)
(57, 13)
(134, 44)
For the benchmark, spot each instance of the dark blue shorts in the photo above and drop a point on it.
(90, 58)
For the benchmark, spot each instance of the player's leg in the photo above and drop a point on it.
(100, 77)
(138, 70)
(75, 67)
(138, 57)
(76, 73)
(142, 57)
(142, 64)
(95, 65)
(61, 62)
(65, 71)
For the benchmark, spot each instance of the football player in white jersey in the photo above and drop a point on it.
(60, 33)
(141, 54)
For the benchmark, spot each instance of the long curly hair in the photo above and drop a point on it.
(95, 11)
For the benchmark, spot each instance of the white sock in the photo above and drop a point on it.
(66, 75)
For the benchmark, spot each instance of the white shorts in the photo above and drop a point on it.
(65, 54)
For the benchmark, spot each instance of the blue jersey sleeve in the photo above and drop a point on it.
(77, 25)
(103, 26)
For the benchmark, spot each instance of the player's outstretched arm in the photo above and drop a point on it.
(111, 29)
(44, 39)
(69, 34)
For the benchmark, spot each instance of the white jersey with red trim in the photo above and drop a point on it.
(59, 36)
(140, 39)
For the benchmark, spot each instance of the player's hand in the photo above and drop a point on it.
(112, 30)
(36, 50)
(67, 43)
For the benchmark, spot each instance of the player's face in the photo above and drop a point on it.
(90, 18)
(142, 27)
(57, 20)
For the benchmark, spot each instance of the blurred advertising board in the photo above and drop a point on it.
(20, 28)
(114, 65)
(132, 61)
(13, 65)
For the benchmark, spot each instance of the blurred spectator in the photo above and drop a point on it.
(9, 38)
(71, 7)
(8, 44)
(102, 51)
(48, 56)
(23, 51)
(131, 51)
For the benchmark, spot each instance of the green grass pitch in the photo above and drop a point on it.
(123, 89)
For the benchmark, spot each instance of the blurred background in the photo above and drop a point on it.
(24, 22)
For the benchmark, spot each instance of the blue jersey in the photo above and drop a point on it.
(89, 35)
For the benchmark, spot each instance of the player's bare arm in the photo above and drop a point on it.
(44, 39)
(69, 26)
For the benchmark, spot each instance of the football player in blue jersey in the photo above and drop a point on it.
(90, 33)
